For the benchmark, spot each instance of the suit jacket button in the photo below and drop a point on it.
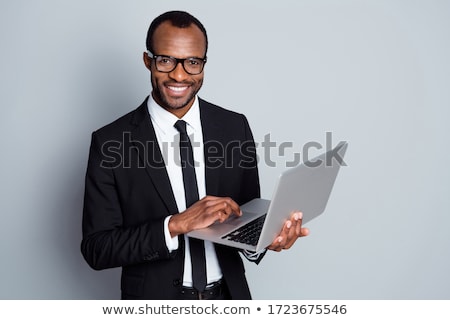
(176, 282)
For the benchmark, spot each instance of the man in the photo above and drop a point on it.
(137, 209)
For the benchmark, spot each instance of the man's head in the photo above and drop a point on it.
(178, 35)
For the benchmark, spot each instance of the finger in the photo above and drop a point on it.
(298, 216)
(219, 210)
(233, 206)
(226, 205)
(229, 207)
(276, 245)
(304, 232)
(292, 234)
(300, 231)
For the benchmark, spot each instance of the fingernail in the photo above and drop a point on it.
(300, 215)
(288, 224)
(295, 216)
(280, 239)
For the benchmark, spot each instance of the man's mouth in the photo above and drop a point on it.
(177, 89)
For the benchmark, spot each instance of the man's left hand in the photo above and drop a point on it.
(292, 230)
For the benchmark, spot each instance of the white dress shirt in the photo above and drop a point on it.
(168, 139)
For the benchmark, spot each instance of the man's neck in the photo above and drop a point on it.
(178, 112)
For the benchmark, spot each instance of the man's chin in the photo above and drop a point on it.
(177, 104)
(176, 107)
(173, 103)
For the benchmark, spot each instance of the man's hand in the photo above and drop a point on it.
(202, 214)
(292, 230)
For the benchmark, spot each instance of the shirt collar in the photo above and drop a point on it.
(165, 119)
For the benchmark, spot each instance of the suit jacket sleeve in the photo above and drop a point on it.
(106, 241)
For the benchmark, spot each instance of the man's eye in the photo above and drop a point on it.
(165, 61)
(194, 62)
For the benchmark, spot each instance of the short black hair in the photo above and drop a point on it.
(179, 19)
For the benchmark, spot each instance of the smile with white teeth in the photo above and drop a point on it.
(177, 89)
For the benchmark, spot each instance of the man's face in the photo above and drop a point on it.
(175, 91)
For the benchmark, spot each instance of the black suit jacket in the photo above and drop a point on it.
(128, 195)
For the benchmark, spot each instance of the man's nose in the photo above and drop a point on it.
(179, 74)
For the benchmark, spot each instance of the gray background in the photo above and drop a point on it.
(374, 73)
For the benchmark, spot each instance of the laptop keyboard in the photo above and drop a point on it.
(248, 233)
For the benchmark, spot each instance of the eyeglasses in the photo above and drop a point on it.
(192, 65)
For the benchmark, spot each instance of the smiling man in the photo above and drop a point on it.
(171, 172)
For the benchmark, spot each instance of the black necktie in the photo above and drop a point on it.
(197, 247)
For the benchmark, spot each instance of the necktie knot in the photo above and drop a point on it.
(180, 125)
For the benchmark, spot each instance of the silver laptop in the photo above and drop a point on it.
(306, 188)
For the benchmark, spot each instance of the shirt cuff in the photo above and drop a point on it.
(254, 256)
(171, 243)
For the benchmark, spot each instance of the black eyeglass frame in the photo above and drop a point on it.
(155, 56)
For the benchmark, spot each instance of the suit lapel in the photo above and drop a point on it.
(144, 138)
(211, 139)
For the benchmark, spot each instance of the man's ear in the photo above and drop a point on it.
(147, 60)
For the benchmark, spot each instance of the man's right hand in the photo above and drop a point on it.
(202, 214)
